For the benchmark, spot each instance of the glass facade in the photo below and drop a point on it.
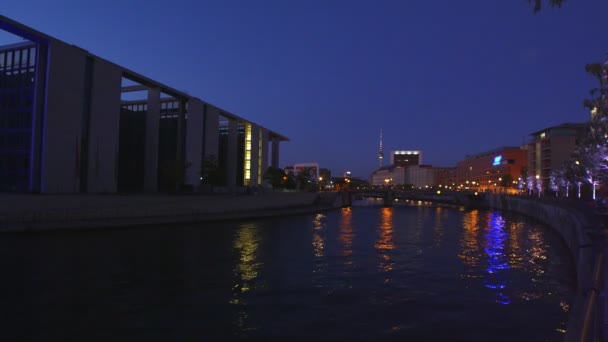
(132, 147)
(168, 172)
(240, 150)
(17, 84)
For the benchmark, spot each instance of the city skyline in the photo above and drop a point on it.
(449, 81)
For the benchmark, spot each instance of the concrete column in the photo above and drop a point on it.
(62, 123)
(275, 152)
(105, 122)
(255, 153)
(264, 151)
(231, 158)
(194, 141)
(181, 137)
(38, 119)
(212, 132)
(152, 133)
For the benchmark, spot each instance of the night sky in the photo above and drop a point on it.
(446, 77)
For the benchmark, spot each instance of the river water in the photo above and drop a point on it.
(415, 273)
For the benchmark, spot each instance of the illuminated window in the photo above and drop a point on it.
(247, 154)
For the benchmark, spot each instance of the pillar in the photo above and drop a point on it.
(264, 151)
(194, 141)
(104, 128)
(151, 153)
(275, 152)
(212, 132)
(231, 158)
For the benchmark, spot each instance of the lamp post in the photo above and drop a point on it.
(538, 185)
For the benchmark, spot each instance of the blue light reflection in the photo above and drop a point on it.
(496, 236)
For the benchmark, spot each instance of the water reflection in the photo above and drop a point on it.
(346, 234)
(318, 243)
(438, 228)
(498, 267)
(246, 244)
(246, 270)
(515, 253)
(470, 243)
(385, 241)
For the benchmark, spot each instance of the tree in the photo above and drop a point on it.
(554, 181)
(276, 177)
(304, 181)
(538, 4)
(530, 185)
(562, 178)
(574, 172)
(325, 173)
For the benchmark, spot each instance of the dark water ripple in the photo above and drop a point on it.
(403, 273)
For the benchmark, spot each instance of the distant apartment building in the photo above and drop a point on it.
(446, 177)
(421, 176)
(418, 176)
(552, 146)
(388, 175)
(497, 169)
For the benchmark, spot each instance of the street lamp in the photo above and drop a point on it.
(538, 184)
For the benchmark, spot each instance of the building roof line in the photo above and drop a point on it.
(31, 34)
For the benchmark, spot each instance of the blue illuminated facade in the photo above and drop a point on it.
(17, 90)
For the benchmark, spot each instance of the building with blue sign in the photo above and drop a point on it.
(496, 170)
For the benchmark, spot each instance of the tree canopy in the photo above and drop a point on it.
(537, 4)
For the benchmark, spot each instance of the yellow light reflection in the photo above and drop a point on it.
(470, 240)
(515, 255)
(318, 244)
(385, 241)
(438, 229)
(537, 252)
(246, 244)
(346, 233)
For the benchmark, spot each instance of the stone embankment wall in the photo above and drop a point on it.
(49, 212)
(577, 230)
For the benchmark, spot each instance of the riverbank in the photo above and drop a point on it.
(21, 213)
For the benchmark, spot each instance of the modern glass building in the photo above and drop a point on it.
(73, 122)
(17, 89)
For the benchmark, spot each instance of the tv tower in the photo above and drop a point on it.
(380, 153)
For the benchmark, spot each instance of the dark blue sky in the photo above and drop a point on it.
(447, 77)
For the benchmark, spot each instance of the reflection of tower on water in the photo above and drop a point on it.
(346, 235)
(385, 242)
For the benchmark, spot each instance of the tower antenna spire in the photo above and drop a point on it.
(380, 153)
